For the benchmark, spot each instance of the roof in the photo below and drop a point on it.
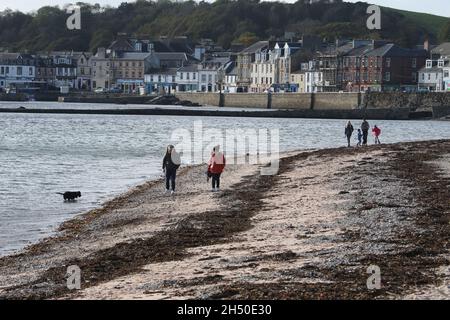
(135, 55)
(167, 71)
(442, 49)
(232, 72)
(396, 51)
(359, 51)
(189, 68)
(255, 47)
(171, 55)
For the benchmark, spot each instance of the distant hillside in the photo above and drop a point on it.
(225, 21)
(432, 23)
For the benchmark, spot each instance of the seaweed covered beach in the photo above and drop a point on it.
(309, 232)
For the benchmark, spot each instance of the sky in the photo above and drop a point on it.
(438, 7)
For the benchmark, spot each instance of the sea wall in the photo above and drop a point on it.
(324, 101)
(414, 101)
(300, 101)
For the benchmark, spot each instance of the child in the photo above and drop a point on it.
(377, 132)
(360, 137)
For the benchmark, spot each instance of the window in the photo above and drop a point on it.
(30, 71)
(210, 78)
(2, 71)
(446, 73)
(440, 63)
(429, 64)
(414, 77)
(159, 78)
(182, 76)
(173, 79)
(388, 76)
(188, 76)
(194, 76)
(19, 71)
(203, 77)
(388, 62)
(414, 62)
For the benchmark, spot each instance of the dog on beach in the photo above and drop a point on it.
(70, 196)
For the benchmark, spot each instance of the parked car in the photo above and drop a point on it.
(115, 90)
(99, 90)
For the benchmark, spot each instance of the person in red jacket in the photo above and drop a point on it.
(216, 166)
(376, 132)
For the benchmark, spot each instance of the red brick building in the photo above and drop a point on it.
(382, 67)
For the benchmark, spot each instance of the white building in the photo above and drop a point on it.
(161, 81)
(211, 73)
(431, 77)
(187, 78)
(446, 78)
(17, 70)
(230, 83)
(264, 71)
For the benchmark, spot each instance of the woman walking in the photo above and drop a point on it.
(171, 164)
(216, 165)
(349, 132)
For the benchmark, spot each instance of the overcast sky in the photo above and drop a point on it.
(439, 7)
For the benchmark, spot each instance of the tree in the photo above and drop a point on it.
(444, 34)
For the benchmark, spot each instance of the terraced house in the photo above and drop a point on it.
(382, 66)
(17, 71)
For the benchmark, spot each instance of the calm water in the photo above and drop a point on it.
(103, 156)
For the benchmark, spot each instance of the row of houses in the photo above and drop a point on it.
(131, 65)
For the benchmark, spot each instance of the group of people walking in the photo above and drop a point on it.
(172, 162)
(217, 162)
(363, 133)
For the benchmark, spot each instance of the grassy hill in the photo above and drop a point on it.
(225, 21)
(432, 23)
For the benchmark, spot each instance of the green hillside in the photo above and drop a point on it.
(224, 21)
(432, 23)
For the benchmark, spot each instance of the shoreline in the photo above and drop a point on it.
(353, 114)
(136, 232)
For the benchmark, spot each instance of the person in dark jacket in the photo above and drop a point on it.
(349, 132)
(216, 166)
(171, 164)
(365, 127)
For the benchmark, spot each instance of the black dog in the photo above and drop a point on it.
(71, 196)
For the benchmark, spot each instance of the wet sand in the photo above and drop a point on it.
(309, 232)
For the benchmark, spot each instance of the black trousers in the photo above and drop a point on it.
(349, 137)
(216, 180)
(171, 176)
(365, 136)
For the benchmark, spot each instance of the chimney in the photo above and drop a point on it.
(426, 44)
(101, 53)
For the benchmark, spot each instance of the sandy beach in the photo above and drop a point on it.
(309, 232)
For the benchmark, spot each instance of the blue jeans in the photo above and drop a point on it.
(171, 176)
